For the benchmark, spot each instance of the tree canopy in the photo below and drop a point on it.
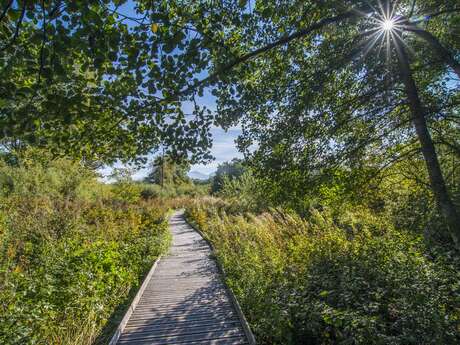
(317, 86)
(230, 170)
(165, 170)
(85, 79)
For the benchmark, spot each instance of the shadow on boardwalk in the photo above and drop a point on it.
(185, 302)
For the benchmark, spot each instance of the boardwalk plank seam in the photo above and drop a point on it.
(247, 330)
(184, 298)
(133, 304)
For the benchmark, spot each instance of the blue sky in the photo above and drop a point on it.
(223, 148)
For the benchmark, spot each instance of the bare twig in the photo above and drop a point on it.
(5, 10)
(42, 48)
(18, 27)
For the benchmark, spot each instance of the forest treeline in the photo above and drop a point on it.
(333, 268)
(316, 86)
(339, 226)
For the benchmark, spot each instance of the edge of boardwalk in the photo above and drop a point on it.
(246, 329)
(244, 323)
(133, 305)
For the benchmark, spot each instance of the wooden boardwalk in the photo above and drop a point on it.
(185, 300)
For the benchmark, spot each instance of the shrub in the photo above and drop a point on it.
(244, 190)
(352, 279)
(36, 174)
(148, 192)
(151, 191)
(69, 257)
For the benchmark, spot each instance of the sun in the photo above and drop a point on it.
(388, 24)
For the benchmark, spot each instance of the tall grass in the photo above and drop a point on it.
(352, 279)
(72, 251)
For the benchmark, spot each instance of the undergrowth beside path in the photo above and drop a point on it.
(351, 279)
(71, 251)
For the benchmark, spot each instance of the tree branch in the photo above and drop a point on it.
(282, 41)
(7, 7)
(411, 12)
(443, 53)
(440, 13)
(18, 27)
(42, 48)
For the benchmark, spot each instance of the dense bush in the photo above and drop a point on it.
(72, 251)
(243, 190)
(152, 191)
(347, 279)
(226, 171)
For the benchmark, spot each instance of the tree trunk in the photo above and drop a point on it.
(437, 182)
(443, 53)
(163, 169)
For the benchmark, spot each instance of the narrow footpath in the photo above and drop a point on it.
(185, 301)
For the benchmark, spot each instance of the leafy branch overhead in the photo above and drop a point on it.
(316, 85)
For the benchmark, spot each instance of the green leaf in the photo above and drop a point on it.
(324, 293)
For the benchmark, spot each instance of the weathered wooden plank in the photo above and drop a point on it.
(153, 339)
(182, 309)
(208, 312)
(220, 341)
(145, 333)
(153, 308)
(194, 316)
(223, 341)
(185, 301)
(183, 324)
(190, 318)
(168, 324)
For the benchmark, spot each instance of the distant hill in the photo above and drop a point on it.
(196, 175)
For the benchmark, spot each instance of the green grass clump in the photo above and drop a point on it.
(351, 279)
(71, 253)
